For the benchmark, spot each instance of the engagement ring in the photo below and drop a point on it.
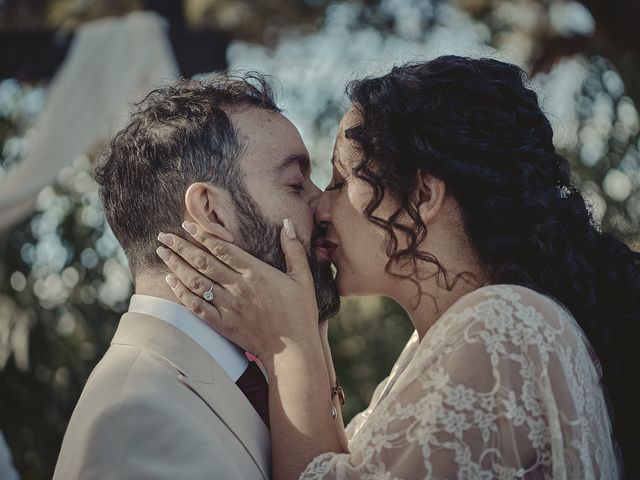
(208, 295)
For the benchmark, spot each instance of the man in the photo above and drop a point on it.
(7, 471)
(171, 398)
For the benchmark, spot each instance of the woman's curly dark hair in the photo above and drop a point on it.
(475, 125)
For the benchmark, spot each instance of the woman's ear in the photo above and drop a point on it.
(430, 193)
(208, 207)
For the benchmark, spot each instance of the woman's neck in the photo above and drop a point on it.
(433, 304)
(436, 298)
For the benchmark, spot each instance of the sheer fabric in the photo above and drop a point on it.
(504, 385)
(111, 62)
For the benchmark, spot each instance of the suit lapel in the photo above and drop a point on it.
(201, 374)
(233, 408)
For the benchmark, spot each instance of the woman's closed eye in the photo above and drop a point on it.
(336, 184)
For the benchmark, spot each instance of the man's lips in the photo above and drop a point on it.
(324, 249)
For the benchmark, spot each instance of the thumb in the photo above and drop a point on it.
(294, 252)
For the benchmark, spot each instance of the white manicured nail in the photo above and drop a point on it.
(190, 227)
(289, 230)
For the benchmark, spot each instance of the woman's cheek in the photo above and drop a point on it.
(359, 194)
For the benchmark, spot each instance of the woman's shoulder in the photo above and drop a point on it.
(509, 291)
(501, 325)
(508, 299)
(505, 310)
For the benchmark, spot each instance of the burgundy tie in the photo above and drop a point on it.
(255, 388)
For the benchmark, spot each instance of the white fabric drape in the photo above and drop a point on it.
(504, 385)
(111, 63)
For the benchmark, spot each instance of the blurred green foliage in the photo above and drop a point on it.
(366, 338)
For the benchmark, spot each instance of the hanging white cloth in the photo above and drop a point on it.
(111, 63)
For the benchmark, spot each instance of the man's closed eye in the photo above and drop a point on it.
(297, 187)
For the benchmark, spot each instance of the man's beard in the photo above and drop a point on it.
(261, 238)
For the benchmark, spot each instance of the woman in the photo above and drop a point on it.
(447, 196)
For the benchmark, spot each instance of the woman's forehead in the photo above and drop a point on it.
(350, 119)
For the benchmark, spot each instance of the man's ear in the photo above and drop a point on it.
(208, 207)
(430, 193)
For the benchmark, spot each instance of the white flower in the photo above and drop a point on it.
(538, 433)
(438, 378)
(460, 397)
(487, 402)
(514, 412)
(485, 422)
(455, 423)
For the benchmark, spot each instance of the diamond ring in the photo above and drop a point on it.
(208, 295)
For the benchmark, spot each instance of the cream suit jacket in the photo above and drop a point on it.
(158, 406)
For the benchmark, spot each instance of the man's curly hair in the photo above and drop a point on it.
(177, 135)
(474, 124)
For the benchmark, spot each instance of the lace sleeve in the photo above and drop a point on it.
(502, 386)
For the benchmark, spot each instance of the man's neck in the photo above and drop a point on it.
(154, 298)
(154, 286)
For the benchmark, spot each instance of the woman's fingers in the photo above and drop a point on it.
(193, 265)
(226, 252)
(192, 279)
(294, 253)
(254, 305)
(207, 311)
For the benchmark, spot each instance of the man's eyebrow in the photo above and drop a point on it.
(295, 159)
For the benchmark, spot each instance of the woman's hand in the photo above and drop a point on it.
(256, 306)
(273, 315)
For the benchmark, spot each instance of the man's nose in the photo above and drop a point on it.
(322, 210)
(314, 195)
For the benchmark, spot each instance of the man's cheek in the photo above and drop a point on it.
(306, 227)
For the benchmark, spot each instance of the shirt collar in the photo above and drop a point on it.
(228, 355)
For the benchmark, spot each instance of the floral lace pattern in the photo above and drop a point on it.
(504, 385)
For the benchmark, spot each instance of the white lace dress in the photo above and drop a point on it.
(502, 386)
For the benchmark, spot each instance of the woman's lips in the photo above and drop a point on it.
(324, 250)
(323, 255)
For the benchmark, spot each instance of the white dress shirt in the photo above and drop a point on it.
(229, 356)
(7, 471)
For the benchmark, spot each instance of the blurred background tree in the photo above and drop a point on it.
(63, 278)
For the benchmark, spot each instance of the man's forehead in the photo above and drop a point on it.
(271, 142)
(257, 124)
